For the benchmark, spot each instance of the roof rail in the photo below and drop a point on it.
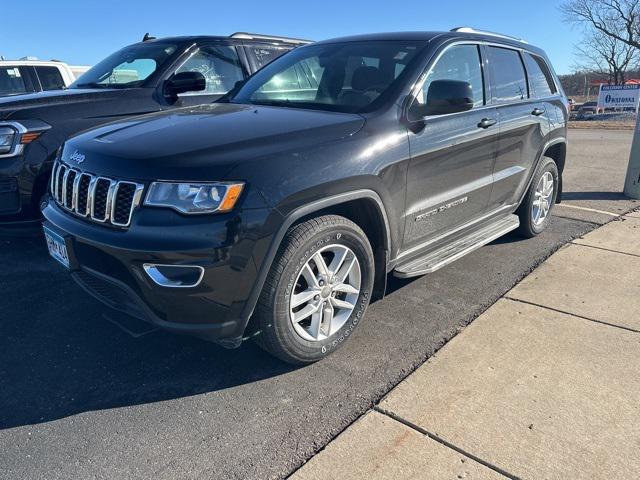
(484, 32)
(257, 36)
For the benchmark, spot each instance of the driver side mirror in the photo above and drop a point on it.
(445, 96)
(184, 82)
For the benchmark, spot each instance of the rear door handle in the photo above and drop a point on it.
(537, 111)
(487, 122)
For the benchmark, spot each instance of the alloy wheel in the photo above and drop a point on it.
(543, 199)
(325, 293)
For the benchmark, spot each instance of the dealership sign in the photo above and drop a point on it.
(619, 96)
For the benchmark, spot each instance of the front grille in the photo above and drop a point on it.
(83, 194)
(97, 198)
(100, 199)
(68, 193)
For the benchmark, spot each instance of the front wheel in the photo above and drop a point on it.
(535, 209)
(317, 290)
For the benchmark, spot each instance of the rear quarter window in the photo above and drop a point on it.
(50, 78)
(508, 78)
(540, 78)
(261, 55)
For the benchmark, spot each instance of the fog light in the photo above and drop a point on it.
(174, 276)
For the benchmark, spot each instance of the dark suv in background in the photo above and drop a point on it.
(150, 76)
(277, 212)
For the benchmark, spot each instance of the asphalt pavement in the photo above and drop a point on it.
(88, 393)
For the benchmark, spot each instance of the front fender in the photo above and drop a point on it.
(264, 257)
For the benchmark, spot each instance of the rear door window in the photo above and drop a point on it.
(540, 78)
(508, 78)
(11, 81)
(50, 78)
(220, 66)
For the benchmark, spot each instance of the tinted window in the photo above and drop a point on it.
(128, 67)
(540, 79)
(345, 77)
(220, 66)
(299, 82)
(11, 81)
(462, 63)
(509, 83)
(50, 78)
(261, 55)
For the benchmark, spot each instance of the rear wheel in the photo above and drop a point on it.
(535, 210)
(317, 290)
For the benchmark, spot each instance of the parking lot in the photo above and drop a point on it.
(88, 393)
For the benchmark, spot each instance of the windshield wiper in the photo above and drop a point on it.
(92, 85)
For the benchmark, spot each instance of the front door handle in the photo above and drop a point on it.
(487, 122)
(537, 111)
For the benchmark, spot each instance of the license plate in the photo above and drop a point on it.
(57, 247)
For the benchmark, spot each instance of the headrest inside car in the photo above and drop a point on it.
(366, 77)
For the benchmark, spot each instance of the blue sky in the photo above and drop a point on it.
(84, 32)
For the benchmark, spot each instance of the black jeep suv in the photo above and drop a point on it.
(149, 76)
(278, 212)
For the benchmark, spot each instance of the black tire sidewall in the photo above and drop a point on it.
(304, 350)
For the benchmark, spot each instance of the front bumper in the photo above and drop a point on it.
(16, 186)
(109, 264)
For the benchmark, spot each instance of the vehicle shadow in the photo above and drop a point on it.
(594, 196)
(63, 353)
(60, 356)
(394, 283)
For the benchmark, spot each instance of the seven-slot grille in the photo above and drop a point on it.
(100, 199)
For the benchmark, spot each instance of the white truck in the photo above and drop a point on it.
(29, 75)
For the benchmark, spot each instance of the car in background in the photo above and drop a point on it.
(588, 109)
(18, 77)
(149, 76)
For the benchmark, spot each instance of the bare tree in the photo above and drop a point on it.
(606, 55)
(618, 19)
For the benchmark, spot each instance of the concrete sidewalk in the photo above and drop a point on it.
(543, 385)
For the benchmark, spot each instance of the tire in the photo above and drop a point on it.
(331, 237)
(530, 223)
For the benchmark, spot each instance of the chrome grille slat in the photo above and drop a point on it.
(64, 187)
(52, 186)
(98, 214)
(74, 197)
(69, 184)
(135, 200)
(83, 192)
(97, 198)
(59, 179)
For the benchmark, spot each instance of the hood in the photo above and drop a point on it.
(196, 143)
(54, 97)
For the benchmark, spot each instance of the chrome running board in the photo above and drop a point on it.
(434, 260)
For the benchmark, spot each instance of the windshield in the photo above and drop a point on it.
(128, 67)
(344, 77)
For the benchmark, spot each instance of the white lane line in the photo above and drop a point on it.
(594, 210)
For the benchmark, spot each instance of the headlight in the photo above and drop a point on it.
(194, 197)
(14, 136)
(7, 139)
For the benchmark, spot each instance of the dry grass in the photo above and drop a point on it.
(602, 124)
